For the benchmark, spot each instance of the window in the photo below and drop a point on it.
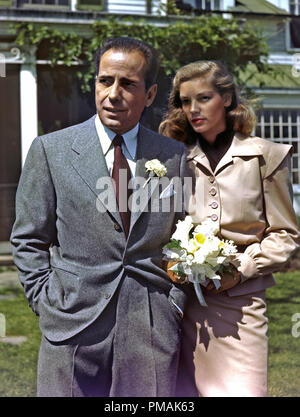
(208, 4)
(294, 24)
(282, 126)
(295, 33)
(295, 7)
(65, 4)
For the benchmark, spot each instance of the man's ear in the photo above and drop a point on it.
(150, 95)
(227, 99)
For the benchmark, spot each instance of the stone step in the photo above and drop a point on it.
(6, 260)
(9, 279)
(13, 340)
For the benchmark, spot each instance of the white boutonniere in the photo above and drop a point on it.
(155, 168)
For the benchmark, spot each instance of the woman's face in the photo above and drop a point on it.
(204, 107)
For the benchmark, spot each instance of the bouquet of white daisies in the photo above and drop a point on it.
(198, 254)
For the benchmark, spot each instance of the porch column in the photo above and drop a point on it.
(28, 102)
(73, 5)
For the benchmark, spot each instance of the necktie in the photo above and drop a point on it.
(121, 175)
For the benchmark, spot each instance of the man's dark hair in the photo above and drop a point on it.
(125, 44)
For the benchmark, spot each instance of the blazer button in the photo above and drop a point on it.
(213, 191)
(117, 227)
(211, 179)
(214, 217)
(106, 296)
(214, 205)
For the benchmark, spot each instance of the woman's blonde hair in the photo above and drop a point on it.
(239, 116)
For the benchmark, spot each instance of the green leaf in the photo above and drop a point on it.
(173, 244)
(181, 42)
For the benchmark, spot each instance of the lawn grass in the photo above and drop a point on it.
(18, 363)
(283, 302)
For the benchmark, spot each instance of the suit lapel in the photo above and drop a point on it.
(89, 162)
(146, 150)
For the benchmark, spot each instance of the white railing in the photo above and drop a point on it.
(282, 126)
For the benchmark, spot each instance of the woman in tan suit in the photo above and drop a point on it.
(242, 183)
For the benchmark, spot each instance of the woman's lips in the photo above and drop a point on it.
(197, 121)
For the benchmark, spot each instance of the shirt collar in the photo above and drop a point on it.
(241, 145)
(106, 137)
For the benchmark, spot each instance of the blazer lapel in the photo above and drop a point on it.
(244, 146)
(225, 160)
(195, 152)
(89, 162)
(240, 146)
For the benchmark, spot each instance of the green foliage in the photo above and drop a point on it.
(173, 244)
(60, 46)
(179, 42)
(169, 8)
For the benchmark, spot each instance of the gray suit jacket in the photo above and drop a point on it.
(56, 208)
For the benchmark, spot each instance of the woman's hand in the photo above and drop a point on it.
(228, 280)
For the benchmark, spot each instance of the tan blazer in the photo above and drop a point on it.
(250, 197)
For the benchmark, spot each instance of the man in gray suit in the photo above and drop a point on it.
(109, 315)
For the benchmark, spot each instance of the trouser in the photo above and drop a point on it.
(132, 349)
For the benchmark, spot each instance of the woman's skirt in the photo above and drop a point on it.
(224, 347)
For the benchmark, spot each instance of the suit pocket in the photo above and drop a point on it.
(63, 288)
(168, 192)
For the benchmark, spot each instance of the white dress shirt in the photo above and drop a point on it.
(129, 145)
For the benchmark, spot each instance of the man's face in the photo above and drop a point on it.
(120, 90)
